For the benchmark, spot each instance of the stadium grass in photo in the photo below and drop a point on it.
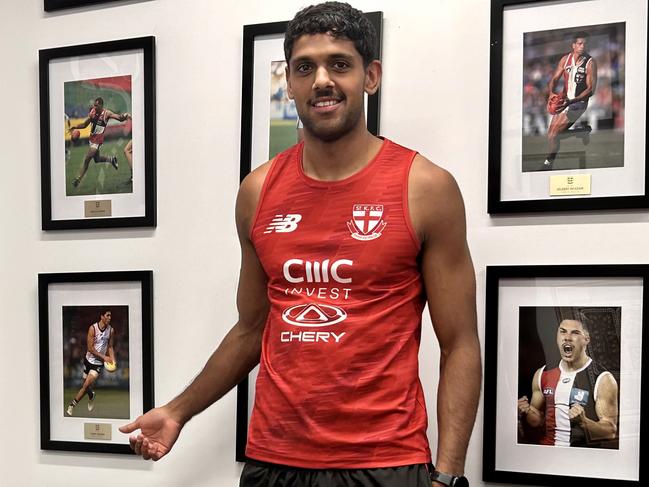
(100, 178)
(605, 149)
(109, 403)
(283, 134)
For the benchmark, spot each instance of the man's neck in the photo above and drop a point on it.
(337, 160)
(577, 364)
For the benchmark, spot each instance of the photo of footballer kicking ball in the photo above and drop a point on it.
(98, 133)
(573, 98)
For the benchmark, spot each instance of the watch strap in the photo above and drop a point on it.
(443, 478)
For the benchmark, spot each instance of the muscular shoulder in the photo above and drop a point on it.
(434, 198)
(248, 197)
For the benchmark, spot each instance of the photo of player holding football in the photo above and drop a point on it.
(98, 132)
(573, 98)
(96, 362)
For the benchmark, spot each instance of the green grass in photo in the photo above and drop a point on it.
(605, 149)
(109, 403)
(283, 134)
(101, 178)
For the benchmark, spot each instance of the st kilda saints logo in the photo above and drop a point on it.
(313, 315)
(367, 222)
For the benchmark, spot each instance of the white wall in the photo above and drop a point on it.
(436, 65)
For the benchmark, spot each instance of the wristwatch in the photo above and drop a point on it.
(448, 479)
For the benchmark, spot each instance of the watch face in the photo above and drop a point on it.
(461, 482)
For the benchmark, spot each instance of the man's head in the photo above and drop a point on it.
(105, 316)
(330, 53)
(99, 103)
(337, 19)
(578, 42)
(573, 339)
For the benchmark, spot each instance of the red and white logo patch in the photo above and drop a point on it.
(367, 222)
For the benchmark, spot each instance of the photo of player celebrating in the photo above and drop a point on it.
(573, 98)
(96, 357)
(569, 363)
(107, 132)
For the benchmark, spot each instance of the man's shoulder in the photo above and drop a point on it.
(429, 183)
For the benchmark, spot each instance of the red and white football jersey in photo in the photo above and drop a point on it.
(338, 385)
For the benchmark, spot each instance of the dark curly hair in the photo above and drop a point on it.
(341, 20)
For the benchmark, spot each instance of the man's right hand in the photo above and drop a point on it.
(523, 406)
(158, 433)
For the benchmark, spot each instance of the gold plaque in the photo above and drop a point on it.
(571, 184)
(95, 208)
(97, 431)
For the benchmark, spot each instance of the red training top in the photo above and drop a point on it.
(338, 384)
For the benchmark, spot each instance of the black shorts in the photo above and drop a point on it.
(261, 474)
(87, 367)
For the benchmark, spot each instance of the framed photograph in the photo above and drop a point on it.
(568, 105)
(269, 125)
(269, 120)
(96, 357)
(53, 5)
(98, 135)
(565, 378)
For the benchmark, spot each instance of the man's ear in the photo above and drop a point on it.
(373, 73)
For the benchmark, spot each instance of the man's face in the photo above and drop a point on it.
(572, 340)
(106, 317)
(98, 105)
(579, 46)
(327, 80)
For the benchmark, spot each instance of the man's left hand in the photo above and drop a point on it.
(577, 414)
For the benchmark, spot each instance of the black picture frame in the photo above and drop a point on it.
(509, 292)
(64, 291)
(54, 5)
(522, 198)
(77, 214)
(251, 34)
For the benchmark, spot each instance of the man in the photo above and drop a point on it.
(344, 237)
(98, 117)
(100, 342)
(575, 402)
(579, 72)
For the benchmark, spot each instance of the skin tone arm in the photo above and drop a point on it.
(533, 412)
(606, 408)
(234, 358)
(558, 72)
(111, 349)
(83, 125)
(120, 117)
(437, 213)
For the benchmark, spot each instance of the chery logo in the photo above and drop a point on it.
(313, 315)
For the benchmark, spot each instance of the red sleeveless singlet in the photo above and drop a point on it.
(338, 384)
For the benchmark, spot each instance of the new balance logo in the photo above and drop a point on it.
(283, 224)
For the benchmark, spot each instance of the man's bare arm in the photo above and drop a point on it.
(606, 407)
(556, 76)
(240, 350)
(438, 216)
(237, 354)
(83, 125)
(532, 411)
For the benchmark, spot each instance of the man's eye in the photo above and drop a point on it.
(341, 65)
(303, 68)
